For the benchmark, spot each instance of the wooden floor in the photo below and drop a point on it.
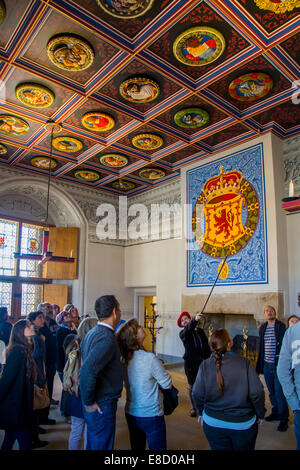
(183, 432)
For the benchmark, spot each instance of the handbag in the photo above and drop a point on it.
(170, 399)
(40, 397)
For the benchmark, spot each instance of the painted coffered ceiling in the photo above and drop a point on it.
(141, 88)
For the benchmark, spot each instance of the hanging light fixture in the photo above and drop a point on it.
(47, 255)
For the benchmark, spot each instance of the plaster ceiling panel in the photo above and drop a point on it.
(90, 106)
(227, 134)
(287, 115)
(18, 77)
(129, 27)
(15, 14)
(215, 115)
(263, 12)
(137, 69)
(260, 65)
(202, 15)
(56, 23)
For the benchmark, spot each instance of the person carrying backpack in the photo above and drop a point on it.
(73, 402)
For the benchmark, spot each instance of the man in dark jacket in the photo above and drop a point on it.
(196, 349)
(5, 330)
(100, 376)
(49, 331)
(271, 335)
(5, 327)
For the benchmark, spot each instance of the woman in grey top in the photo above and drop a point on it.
(144, 374)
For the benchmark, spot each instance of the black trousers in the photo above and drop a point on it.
(191, 371)
(231, 439)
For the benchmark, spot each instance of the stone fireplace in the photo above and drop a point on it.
(234, 312)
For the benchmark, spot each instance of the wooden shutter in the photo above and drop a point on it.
(62, 242)
(56, 294)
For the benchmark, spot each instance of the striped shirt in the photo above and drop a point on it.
(270, 344)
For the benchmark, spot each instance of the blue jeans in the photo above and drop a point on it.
(297, 427)
(23, 437)
(153, 429)
(277, 398)
(78, 429)
(101, 428)
(231, 439)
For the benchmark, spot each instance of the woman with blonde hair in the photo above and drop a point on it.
(144, 375)
(85, 326)
(229, 396)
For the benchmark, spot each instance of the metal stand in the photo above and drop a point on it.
(151, 325)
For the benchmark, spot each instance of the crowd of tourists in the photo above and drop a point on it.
(95, 357)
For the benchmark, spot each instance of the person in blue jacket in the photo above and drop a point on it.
(288, 371)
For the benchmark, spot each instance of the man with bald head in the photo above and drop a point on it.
(271, 334)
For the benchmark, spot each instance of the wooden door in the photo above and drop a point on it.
(56, 294)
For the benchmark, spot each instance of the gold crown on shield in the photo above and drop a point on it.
(225, 184)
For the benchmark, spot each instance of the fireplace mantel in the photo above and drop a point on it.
(235, 303)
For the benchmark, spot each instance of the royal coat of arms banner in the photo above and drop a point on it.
(226, 221)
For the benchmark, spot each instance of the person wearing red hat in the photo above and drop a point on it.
(196, 349)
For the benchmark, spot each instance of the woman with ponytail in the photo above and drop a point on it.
(16, 387)
(229, 397)
(144, 375)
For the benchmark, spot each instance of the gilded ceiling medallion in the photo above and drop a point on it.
(67, 144)
(199, 46)
(191, 118)
(13, 125)
(97, 122)
(43, 162)
(251, 86)
(123, 185)
(3, 149)
(113, 160)
(2, 11)
(125, 8)
(70, 52)
(139, 90)
(152, 173)
(87, 175)
(147, 141)
(34, 95)
(278, 6)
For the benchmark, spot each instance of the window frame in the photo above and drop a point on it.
(17, 280)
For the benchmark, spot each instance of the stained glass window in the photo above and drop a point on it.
(31, 297)
(8, 246)
(32, 239)
(31, 243)
(5, 295)
(28, 238)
